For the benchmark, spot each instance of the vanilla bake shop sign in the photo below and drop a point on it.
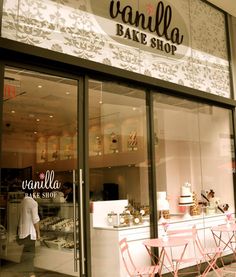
(46, 182)
(154, 26)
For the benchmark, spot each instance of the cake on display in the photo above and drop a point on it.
(163, 206)
(162, 202)
(186, 197)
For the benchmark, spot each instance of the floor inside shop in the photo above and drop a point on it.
(11, 269)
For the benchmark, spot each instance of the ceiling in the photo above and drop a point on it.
(227, 5)
(45, 105)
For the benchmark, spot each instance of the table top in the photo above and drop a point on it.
(224, 228)
(170, 242)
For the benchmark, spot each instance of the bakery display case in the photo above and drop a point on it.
(57, 228)
(57, 244)
(57, 233)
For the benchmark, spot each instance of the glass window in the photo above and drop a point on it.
(118, 176)
(194, 152)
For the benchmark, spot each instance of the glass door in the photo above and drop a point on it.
(39, 187)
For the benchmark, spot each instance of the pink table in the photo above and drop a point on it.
(164, 245)
(227, 240)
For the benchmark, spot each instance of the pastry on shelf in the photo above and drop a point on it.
(69, 245)
(132, 141)
(114, 143)
(98, 146)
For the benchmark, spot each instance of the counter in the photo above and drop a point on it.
(106, 258)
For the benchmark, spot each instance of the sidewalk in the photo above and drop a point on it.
(230, 271)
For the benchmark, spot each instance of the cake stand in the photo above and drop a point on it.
(186, 214)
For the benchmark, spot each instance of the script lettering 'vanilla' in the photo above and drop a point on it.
(159, 24)
(47, 183)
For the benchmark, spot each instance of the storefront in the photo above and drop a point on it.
(127, 106)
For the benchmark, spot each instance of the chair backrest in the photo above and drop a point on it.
(198, 242)
(188, 233)
(191, 235)
(126, 257)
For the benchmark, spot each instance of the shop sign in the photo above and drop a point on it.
(150, 25)
(46, 182)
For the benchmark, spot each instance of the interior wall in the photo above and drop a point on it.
(132, 182)
(18, 151)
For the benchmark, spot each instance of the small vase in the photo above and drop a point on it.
(165, 237)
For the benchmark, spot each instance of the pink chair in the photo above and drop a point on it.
(131, 268)
(208, 255)
(186, 259)
(201, 254)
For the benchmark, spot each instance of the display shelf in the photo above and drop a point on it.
(125, 158)
(57, 232)
(57, 165)
(62, 257)
(122, 228)
(178, 218)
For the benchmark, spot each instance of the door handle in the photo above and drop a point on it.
(81, 221)
(75, 227)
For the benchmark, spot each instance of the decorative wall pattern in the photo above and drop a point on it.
(68, 26)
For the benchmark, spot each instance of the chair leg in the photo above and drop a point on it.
(211, 265)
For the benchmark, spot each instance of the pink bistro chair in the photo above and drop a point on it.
(186, 259)
(208, 255)
(130, 267)
(201, 254)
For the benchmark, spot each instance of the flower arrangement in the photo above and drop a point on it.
(229, 217)
(165, 225)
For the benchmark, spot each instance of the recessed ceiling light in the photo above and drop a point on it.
(13, 111)
(51, 116)
(40, 86)
(67, 93)
(134, 108)
(37, 119)
(35, 133)
(100, 102)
